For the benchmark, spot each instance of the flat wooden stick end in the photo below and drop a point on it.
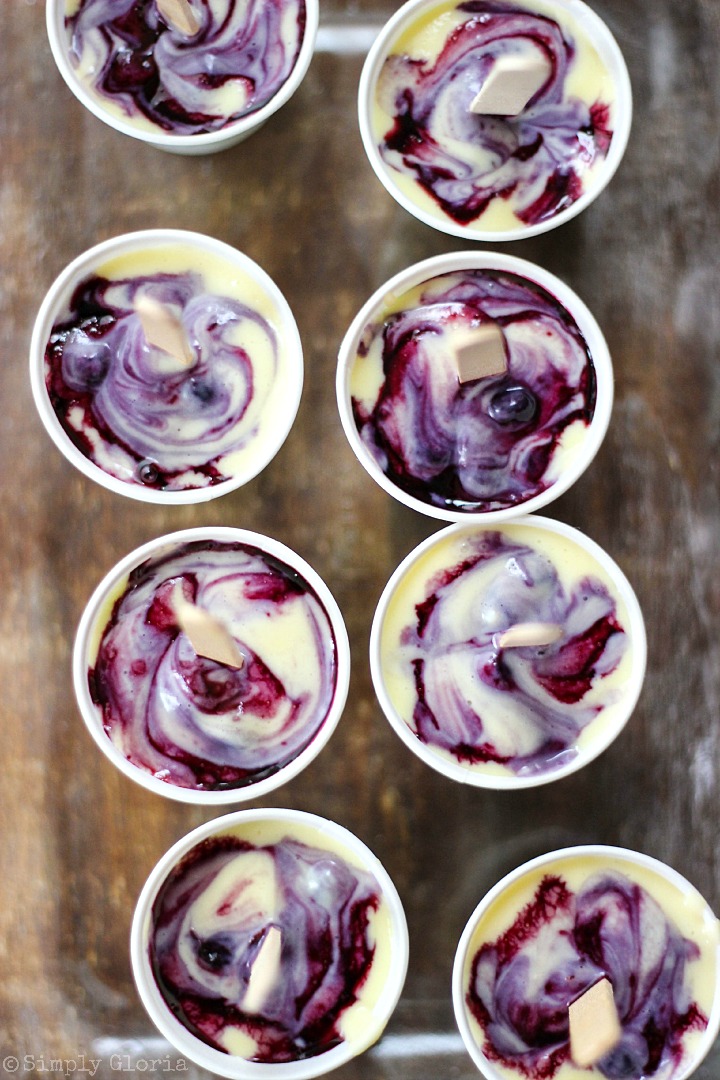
(479, 352)
(594, 1024)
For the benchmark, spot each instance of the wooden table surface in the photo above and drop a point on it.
(77, 838)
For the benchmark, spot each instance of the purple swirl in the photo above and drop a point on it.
(487, 444)
(202, 950)
(168, 430)
(193, 722)
(559, 945)
(537, 160)
(177, 82)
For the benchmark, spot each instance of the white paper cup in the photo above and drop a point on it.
(502, 717)
(137, 127)
(252, 430)
(365, 1019)
(408, 34)
(174, 743)
(571, 454)
(683, 908)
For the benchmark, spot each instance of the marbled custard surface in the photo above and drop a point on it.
(192, 721)
(143, 70)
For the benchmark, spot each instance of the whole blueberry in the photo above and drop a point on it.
(513, 405)
(213, 953)
(85, 360)
(148, 473)
(97, 365)
(203, 390)
(628, 1059)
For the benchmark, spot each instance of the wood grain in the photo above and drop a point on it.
(78, 839)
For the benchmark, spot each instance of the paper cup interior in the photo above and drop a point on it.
(94, 619)
(392, 951)
(592, 438)
(230, 135)
(675, 895)
(406, 191)
(285, 399)
(430, 560)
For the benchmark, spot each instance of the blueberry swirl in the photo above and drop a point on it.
(484, 445)
(145, 422)
(522, 709)
(214, 913)
(193, 722)
(240, 57)
(528, 168)
(563, 941)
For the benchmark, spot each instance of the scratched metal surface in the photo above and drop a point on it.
(76, 839)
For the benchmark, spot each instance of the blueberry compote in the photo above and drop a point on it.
(138, 417)
(484, 445)
(193, 722)
(210, 920)
(525, 169)
(149, 72)
(562, 941)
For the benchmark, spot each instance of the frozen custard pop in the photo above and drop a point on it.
(175, 71)
(144, 422)
(187, 724)
(275, 939)
(554, 928)
(508, 657)
(488, 446)
(486, 173)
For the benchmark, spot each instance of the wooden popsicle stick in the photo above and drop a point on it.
(179, 15)
(163, 329)
(208, 637)
(264, 971)
(511, 83)
(529, 633)
(594, 1024)
(479, 352)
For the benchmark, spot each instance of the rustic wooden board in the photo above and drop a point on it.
(77, 839)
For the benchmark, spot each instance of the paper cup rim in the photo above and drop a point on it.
(598, 852)
(606, 44)
(140, 240)
(228, 1065)
(204, 142)
(93, 721)
(476, 777)
(449, 262)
